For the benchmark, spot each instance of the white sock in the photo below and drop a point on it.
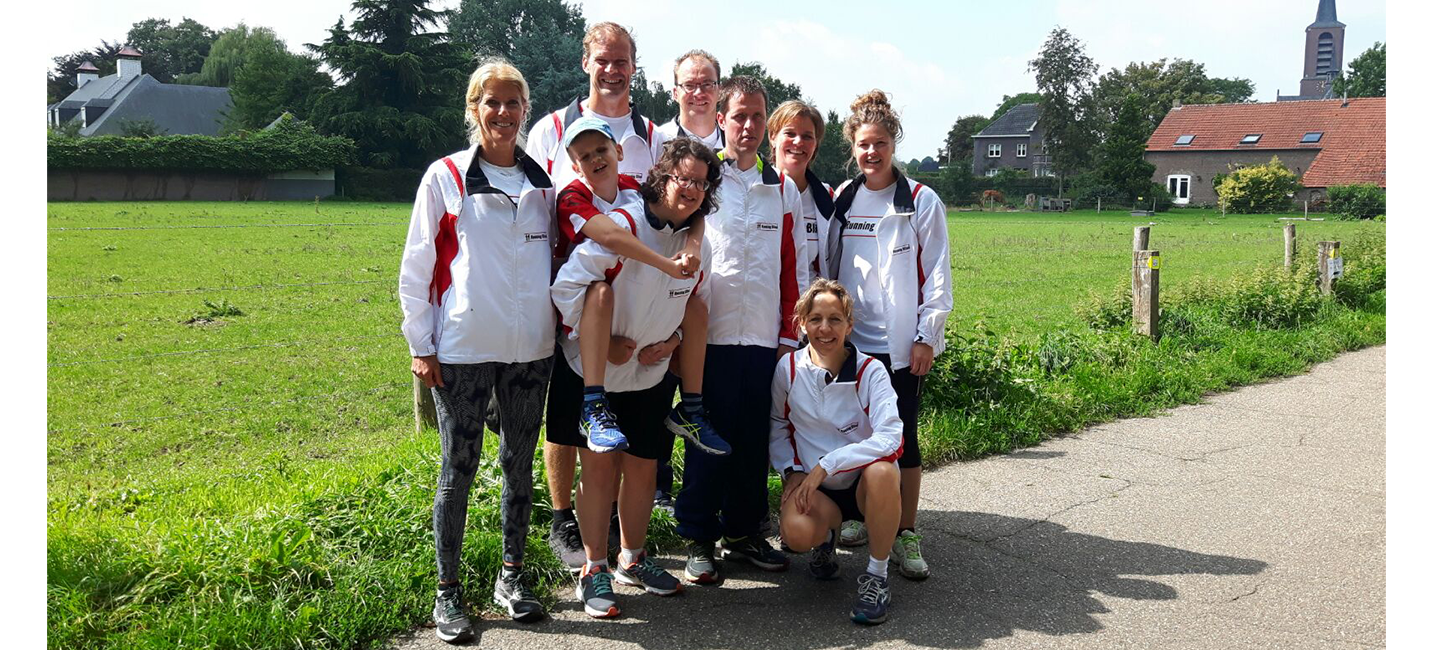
(603, 563)
(629, 556)
(880, 567)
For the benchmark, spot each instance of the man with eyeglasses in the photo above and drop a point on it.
(758, 266)
(697, 76)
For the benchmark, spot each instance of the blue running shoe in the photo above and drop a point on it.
(602, 433)
(695, 428)
(874, 600)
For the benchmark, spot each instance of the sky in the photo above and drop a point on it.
(938, 60)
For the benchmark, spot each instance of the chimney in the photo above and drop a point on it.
(127, 62)
(86, 73)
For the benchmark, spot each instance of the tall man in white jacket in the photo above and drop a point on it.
(758, 268)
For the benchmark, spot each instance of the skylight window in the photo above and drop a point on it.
(1184, 140)
(1313, 136)
(1250, 139)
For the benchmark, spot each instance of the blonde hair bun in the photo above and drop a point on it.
(875, 97)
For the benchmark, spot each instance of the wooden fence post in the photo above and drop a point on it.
(1145, 301)
(1289, 244)
(424, 407)
(1142, 239)
(1328, 250)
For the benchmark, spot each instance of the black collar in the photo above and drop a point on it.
(823, 202)
(904, 201)
(767, 174)
(847, 367)
(661, 224)
(477, 183)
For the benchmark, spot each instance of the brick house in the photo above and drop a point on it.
(1325, 142)
(1014, 141)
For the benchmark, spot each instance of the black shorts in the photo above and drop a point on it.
(845, 498)
(907, 392)
(641, 413)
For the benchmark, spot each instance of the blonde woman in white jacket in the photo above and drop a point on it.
(888, 243)
(835, 435)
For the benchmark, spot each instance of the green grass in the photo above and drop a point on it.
(232, 460)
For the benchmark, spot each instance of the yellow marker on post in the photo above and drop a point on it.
(1154, 262)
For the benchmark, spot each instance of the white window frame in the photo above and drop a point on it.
(1021, 149)
(992, 172)
(993, 151)
(1179, 187)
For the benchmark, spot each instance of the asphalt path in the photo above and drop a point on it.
(1254, 519)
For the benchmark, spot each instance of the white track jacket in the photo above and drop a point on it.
(841, 426)
(641, 142)
(649, 304)
(758, 268)
(914, 245)
(475, 274)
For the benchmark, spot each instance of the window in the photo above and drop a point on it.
(1184, 140)
(1313, 136)
(1250, 139)
(992, 171)
(994, 151)
(1179, 187)
(1021, 149)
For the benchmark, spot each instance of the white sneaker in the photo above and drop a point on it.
(906, 554)
(852, 533)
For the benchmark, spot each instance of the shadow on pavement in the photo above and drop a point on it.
(991, 577)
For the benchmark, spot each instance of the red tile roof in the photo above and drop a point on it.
(1351, 151)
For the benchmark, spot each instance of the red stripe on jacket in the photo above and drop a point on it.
(789, 289)
(447, 244)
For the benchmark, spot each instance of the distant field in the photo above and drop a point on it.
(221, 369)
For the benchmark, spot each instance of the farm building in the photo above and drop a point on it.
(1015, 141)
(103, 105)
(1325, 142)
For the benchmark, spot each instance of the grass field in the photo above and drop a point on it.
(231, 453)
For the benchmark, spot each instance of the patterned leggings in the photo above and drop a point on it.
(519, 389)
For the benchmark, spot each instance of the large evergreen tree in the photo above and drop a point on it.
(540, 37)
(402, 96)
(1121, 163)
(1065, 77)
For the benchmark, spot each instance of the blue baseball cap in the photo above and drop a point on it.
(587, 123)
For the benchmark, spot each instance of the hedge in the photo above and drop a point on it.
(288, 146)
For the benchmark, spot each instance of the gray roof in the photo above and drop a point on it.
(1325, 15)
(1019, 120)
(176, 109)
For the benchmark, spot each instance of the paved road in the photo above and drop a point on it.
(1256, 519)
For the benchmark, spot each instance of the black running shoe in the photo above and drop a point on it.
(648, 575)
(822, 561)
(517, 599)
(700, 563)
(565, 543)
(597, 595)
(755, 550)
(874, 601)
(452, 624)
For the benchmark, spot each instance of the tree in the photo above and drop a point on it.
(777, 92)
(60, 82)
(540, 37)
(168, 51)
(1161, 85)
(833, 154)
(233, 48)
(1011, 101)
(929, 165)
(1122, 163)
(272, 82)
(651, 99)
(1065, 75)
(403, 88)
(960, 142)
(1367, 74)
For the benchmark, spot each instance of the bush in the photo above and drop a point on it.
(1258, 189)
(373, 184)
(288, 146)
(1362, 201)
(1159, 197)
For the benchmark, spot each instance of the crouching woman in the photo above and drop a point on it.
(835, 435)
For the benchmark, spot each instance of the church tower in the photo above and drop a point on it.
(1324, 52)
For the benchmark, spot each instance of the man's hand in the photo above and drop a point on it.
(428, 370)
(922, 357)
(657, 352)
(620, 349)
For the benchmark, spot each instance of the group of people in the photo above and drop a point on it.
(606, 261)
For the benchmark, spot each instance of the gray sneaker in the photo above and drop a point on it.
(512, 594)
(700, 563)
(906, 555)
(452, 625)
(597, 595)
(853, 533)
(648, 576)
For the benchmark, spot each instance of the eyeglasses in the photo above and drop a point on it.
(699, 184)
(702, 86)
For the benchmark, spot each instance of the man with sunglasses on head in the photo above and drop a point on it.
(697, 78)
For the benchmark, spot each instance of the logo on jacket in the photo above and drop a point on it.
(849, 427)
(679, 293)
(767, 226)
(811, 228)
(903, 248)
(536, 236)
(866, 226)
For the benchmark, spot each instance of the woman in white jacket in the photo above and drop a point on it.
(835, 435)
(475, 294)
(888, 243)
(796, 130)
